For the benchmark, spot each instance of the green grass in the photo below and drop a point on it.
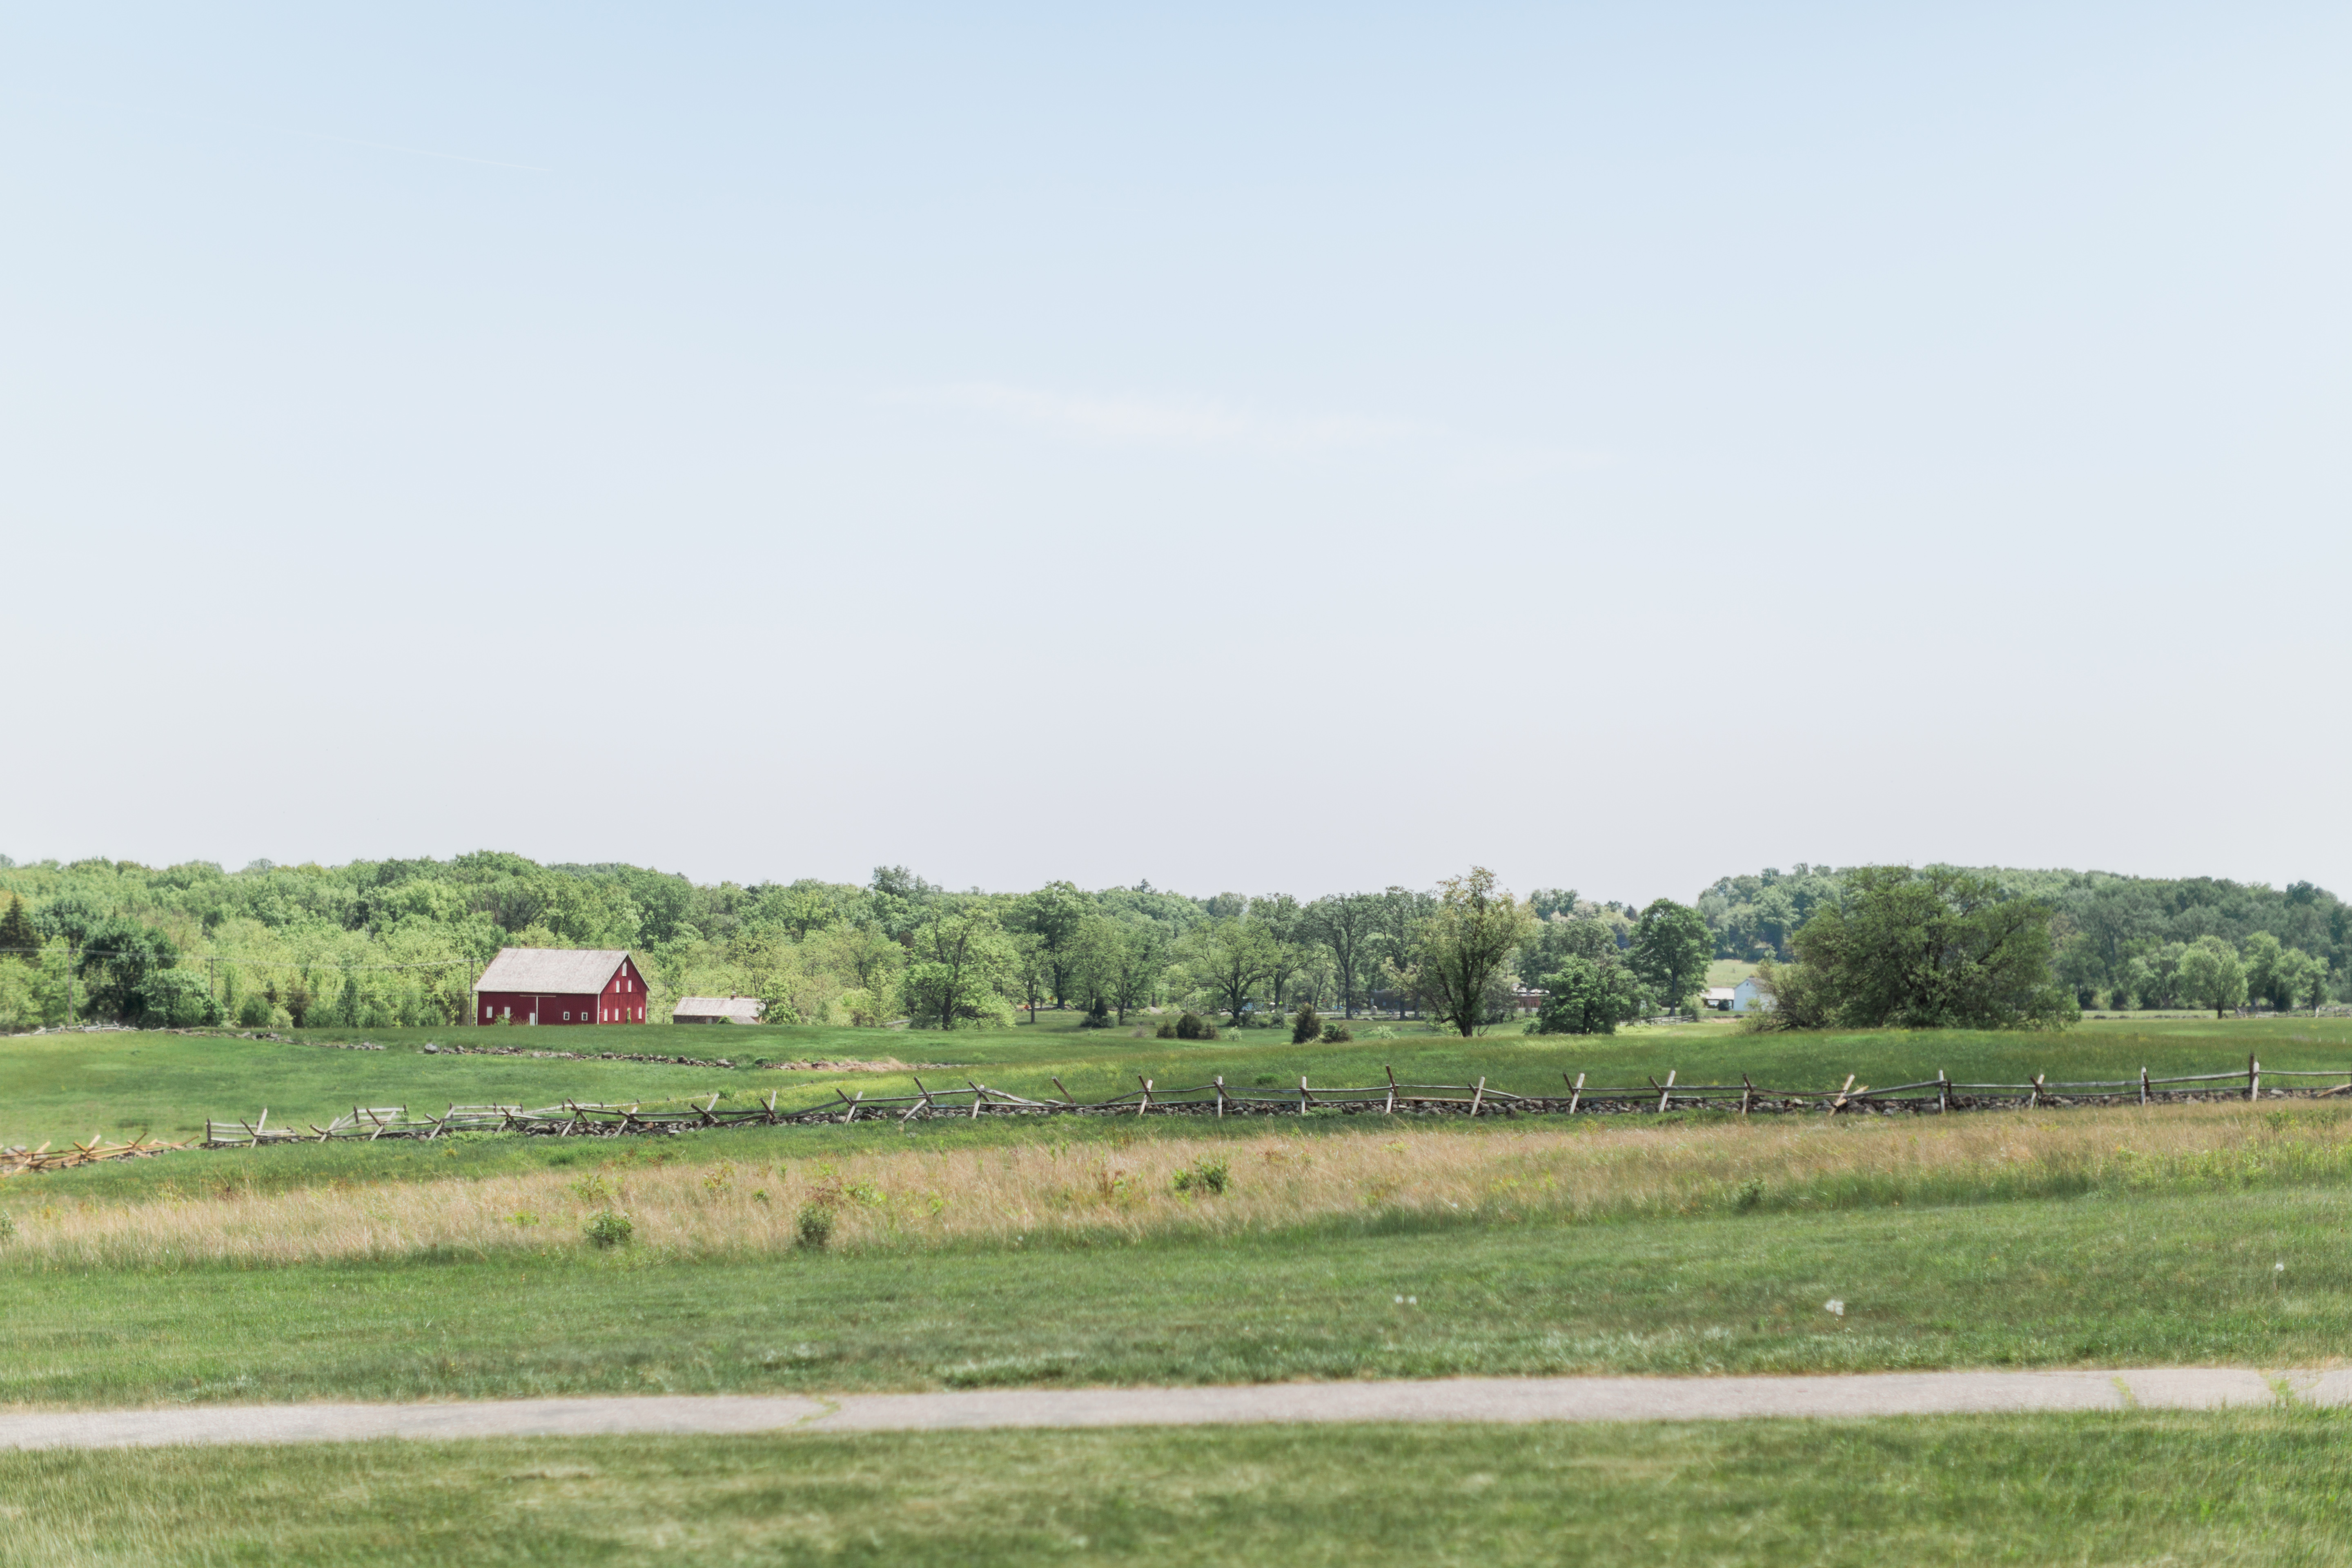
(2226, 1488)
(2096, 1280)
(67, 1086)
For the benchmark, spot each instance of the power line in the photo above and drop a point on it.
(336, 964)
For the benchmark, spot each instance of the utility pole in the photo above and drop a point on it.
(73, 968)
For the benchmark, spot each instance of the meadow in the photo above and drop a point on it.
(1681, 1242)
(1097, 1251)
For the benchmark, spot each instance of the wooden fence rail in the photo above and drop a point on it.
(1216, 1099)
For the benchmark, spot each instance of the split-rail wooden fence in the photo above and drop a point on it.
(1936, 1096)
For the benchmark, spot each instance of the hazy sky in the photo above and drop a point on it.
(1244, 446)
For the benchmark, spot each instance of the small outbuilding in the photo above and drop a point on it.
(1749, 997)
(1719, 997)
(716, 1010)
(561, 986)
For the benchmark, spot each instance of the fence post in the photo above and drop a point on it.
(1943, 1093)
(1747, 1093)
(1474, 1099)
(2254, 1079)
(1575, 1092)
(1220, 1097)
(1389, 1109)
(2034, 1093)
(1666, 1091)
(2143, 1085)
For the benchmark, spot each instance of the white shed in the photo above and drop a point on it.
(1749, 997)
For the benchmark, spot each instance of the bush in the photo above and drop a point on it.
(1304, 1026)
(1098, 1017)
(609, 1228)
(256, 1011)
(1192, 1028)
(1337, 1034)
(1167, 1030)
(815, 1226)
(1203, 1174)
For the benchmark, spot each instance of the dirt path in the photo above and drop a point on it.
(1506, 1399)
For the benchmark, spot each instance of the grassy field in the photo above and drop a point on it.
(2115, 1277)
(1063, 1250)
(62, 1086)
(2235, 1489)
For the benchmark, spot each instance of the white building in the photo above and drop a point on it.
(1749, 997)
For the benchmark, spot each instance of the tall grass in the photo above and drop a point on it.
(682, 1206)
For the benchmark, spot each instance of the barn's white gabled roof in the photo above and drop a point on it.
(552, 971)
(739, 1009)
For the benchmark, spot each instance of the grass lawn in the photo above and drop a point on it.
(55, 1086)
(2096, 1279)
(2228, 1489)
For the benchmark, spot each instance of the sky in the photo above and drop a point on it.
(1270, 446)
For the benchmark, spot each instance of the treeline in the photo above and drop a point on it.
(399, 942)
(391, 942)
(2123, 943)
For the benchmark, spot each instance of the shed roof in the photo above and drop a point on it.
(559, 971)
(1720, 993)
(742, 1009)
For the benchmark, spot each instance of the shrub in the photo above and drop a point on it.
(1167, 1030)
(815, 1226)
(1304, 1026)
(1203, 1174)
(1337, 1034)
(255, 1011)
(1190, 1027)
(1748, 1194)
(1098, 1017)
(608, 1228)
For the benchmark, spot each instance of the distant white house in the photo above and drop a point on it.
(716, 1010)
(1749, 997)
(1718, 997)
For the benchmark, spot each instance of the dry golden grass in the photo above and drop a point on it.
(680, 1206)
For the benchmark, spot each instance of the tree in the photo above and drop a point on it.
(1286, 922)
(2302, 980)
(1347, 924)
(1140, 958)
(2264, 958)
(1032, 971)
(1227, 958)
(1304, 1026)
(18, 940)
(962, 962)
(1587, 997)
(1466, 947)
(118, 956)
(1400, 913)
(1054, 914)
(1672, 948)
(1939, 948)
(2212, 975)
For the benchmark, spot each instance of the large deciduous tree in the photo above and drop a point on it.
(1938, 948)
(18, 940)
(1056, 913)
(1671, 947)
(1462, 960)
(1229, 959)
(963, 961)
(1587, 997)
(1347, 924)
(2212, 975)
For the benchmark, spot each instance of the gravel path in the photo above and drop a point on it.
(1506, 1399)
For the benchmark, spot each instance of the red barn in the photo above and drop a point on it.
(561, 986)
